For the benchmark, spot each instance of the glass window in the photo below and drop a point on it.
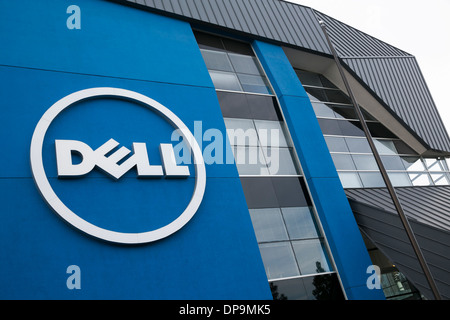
(225, 80)
(399, 179)
(263, 107)
(207, 41)
(300, 222)
(259, 192)
(433, 164)
(279, 260)
(336, 144)
(413, 163)
(358, 145)
(271, 133)
(291, 192)
(280, 161)
(309, 78)
(330, 126)
(392, 163)
(440, 179)
(250, 160)
(350, 180)
(343, 161)
(351, 128)
(311, 256)
(385, 146)
(252, 83)
(322, 110)
(420, 179)
(216, 60)
(234, 105)
(344, 112)
(371, 179)
(364, 162)
(328, 95)
(268, 224)
(245, 64)
(241, 132)
(237, 47)
(379, 131)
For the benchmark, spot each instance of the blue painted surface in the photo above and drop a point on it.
(346, 244)
(215, 256)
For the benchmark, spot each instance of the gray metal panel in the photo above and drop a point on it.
(428, 205)
(399, 83)
(275, 20)
(351, 42)
(385, 230)
(391, 74)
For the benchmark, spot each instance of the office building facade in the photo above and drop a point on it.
(210, 150)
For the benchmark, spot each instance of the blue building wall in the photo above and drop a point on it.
(346, 244)
(214, 256)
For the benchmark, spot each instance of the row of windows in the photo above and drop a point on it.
(281, 211)
(350, 150)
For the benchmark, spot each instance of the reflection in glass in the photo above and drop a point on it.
(372, 179)
(399, 179)
(271, 133)
(440, 179)
(268, 224)
(241, 132)
(250, 160)
(433, 164)
(279, 260)
(216, 60)
(420, 179)
(311, 256)
(413, 163)
(280, 161)
(365, 162)
(343, 161)
(252, 83)
(385, 146)
(392, 163)
(336, 144)
(350, 179)
(225, 80)
(300, 222)
(322, 110)
(358, 145)
(244, 64)
(319, 287)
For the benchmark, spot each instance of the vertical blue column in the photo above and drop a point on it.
(345, 241)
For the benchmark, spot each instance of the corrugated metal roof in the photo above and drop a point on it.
(399, 83)
(390, 74)
(385, 230)
(428, 205)
(280, 21)
(351, 42)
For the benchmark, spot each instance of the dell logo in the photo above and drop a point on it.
(115, 162)
(109, 164)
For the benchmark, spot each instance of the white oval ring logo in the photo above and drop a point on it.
(40, 178)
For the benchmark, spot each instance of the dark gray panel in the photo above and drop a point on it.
(428, 205)
(385, 230)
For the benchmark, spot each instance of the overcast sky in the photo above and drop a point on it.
(421, 28)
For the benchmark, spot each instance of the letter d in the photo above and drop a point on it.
(66, 168)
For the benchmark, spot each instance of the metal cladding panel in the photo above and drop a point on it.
(428, 205)
(279, 21)
(399, 83)
(352, 42)
(385, 230)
